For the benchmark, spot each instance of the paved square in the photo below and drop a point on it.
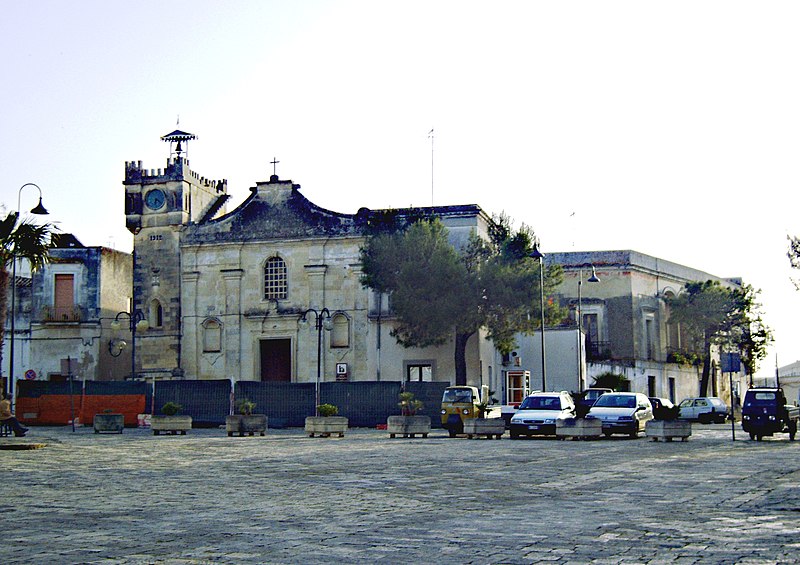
(365, 498)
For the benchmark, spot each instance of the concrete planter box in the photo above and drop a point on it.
(485, 427)
(668, 429)
(326, 425)
(246, 424)
(409, 426)
(579, 428)
(170, 424)
(109, 423)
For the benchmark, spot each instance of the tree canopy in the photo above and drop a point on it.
(438, 293)
(23, 240)
(713, 315)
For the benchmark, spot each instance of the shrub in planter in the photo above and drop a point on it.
(409, 423)
(327, 422)
(246, 422)
(327, 410)
(245, 406)
(667, 426)
(170, 421)
(171, 409)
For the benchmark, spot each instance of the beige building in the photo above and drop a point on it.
(251, 294)
(626, 321)
(74, 299)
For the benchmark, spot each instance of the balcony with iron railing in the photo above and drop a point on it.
(62, 314)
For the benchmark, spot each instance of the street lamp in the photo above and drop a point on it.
(39, 210)
(136, 322)
(539, 256)
(592, 279)
(322, 320)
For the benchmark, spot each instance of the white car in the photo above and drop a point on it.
(705, 409)
(622, 412)
(538, 413)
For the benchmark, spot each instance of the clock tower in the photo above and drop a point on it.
(158, 204)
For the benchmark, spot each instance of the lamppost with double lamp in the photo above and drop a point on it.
(322, 320)
(136, 322)
(539, 256)
(592, 279)
(39, 210)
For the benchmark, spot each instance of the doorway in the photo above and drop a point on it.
(276, 360)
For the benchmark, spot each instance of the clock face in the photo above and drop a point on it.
(155, 199)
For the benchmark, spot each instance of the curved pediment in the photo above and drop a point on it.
(275, 210)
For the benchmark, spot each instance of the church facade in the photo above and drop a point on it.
(270, 290)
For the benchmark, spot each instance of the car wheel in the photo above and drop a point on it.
(607, 434)
(704, 418)
(792, 430)
(752, 436)
(452, 433)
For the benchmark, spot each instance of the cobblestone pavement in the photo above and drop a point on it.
(365, 498)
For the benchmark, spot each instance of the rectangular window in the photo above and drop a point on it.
(651, 385)
(64, 297)
(649, 339)
(419, 373)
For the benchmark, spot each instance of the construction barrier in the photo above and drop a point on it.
(365, 404)
(48, 403)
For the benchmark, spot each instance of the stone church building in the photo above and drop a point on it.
(270, 290)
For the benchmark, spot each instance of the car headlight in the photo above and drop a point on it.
(745, 417)
(772, 418)
(625, 418)
(465, 411)
(444, 411)
(550, 421)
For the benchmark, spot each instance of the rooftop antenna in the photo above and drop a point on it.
(430, 136)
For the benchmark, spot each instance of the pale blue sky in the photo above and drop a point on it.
(670, 128)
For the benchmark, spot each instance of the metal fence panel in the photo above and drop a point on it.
(207, 402)
(365, 404)
(285, 404)
(102, 388)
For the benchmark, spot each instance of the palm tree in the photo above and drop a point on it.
(23, 240)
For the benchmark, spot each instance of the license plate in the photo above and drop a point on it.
(533, 427)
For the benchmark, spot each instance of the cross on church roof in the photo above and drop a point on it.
(274, 164)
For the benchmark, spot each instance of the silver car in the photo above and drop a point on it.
(622, 412)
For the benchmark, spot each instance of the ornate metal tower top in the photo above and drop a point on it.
(175, 138)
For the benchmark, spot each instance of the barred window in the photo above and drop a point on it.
(275, 279)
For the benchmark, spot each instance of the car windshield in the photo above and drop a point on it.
(593, 394)
(760, 399)
(457, 395)
(616, 401)
(541, 403)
